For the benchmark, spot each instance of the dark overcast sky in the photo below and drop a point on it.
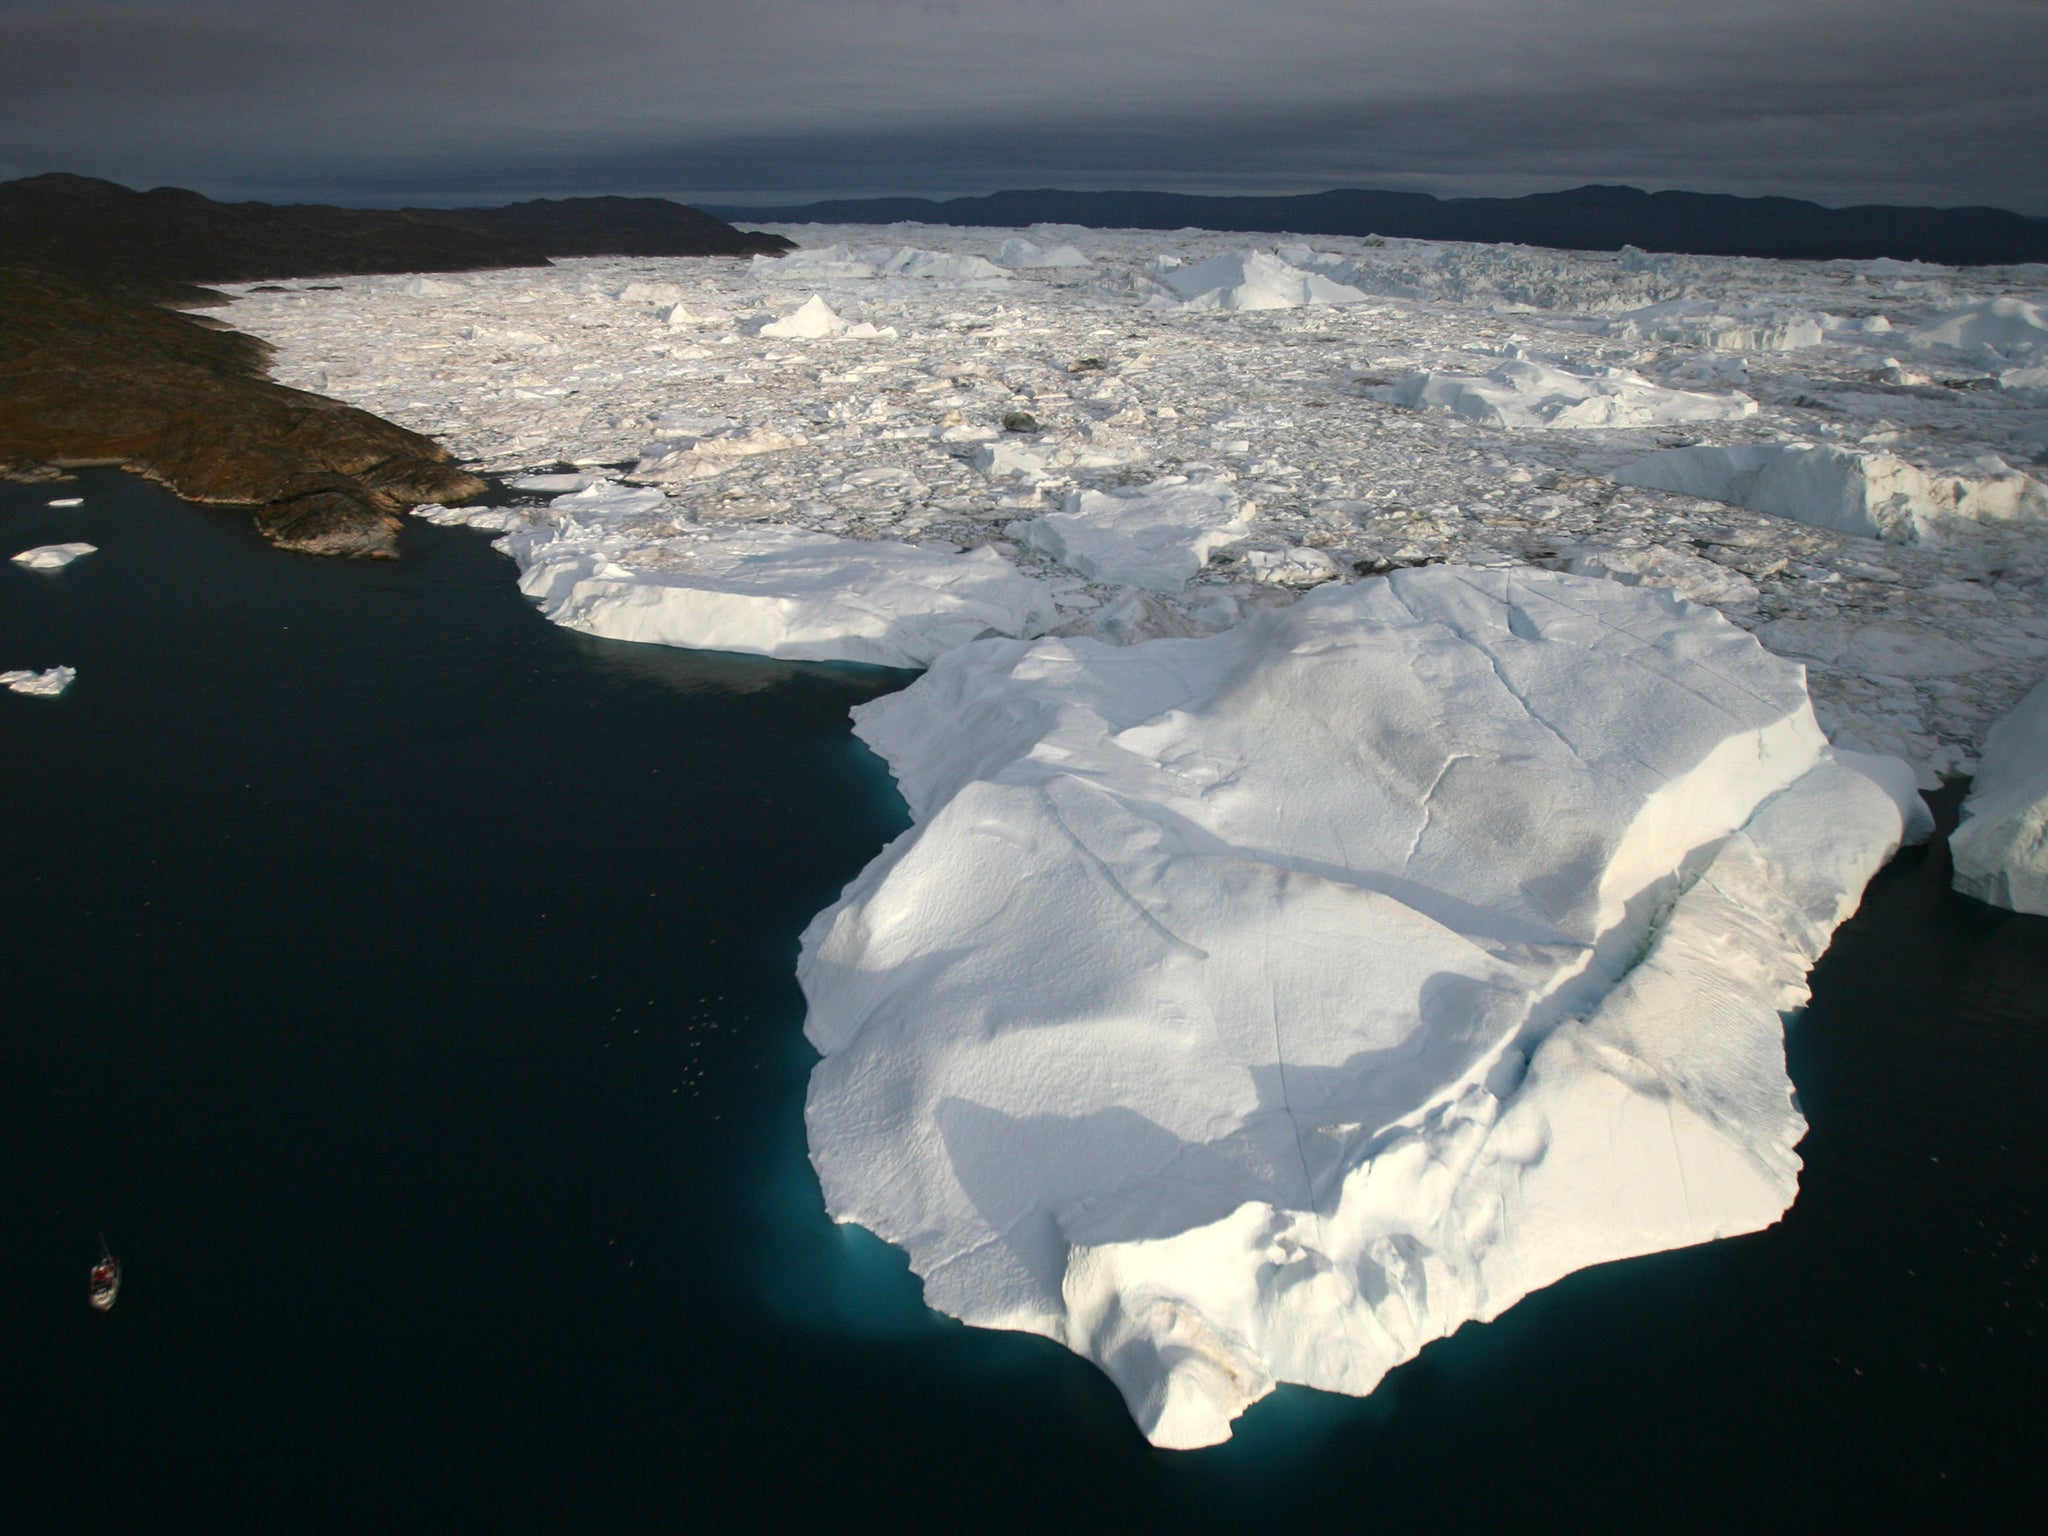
(1937, 101)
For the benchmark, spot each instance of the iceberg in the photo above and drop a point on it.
(42, 685)
(54, 557)
(1154, 536)
(1260, 1007)
(815, 319)
(2001, 847)
(1523, 393)
(1025, 254)
(1253, 280)
(2000, 330)
(1704, 323)
(1874, 495)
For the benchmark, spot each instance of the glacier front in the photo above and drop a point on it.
(1259, 1007)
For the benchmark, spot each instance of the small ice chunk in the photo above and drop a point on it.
(68, 501)
(41, 685)
(556, 485)
(1007, 459)
(2001, 848)
(53, 557)
(1154, 536)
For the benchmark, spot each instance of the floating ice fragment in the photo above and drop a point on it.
(2001, 848)
(42, 685)
(68, 501)
(1261, 1007)
(53, 557)
(1153, 536)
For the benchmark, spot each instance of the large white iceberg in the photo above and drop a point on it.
(1523, 393)
(1253, 280)
(2001, 848)
(1260, 1007)
(1875, 495)
(1154, 536)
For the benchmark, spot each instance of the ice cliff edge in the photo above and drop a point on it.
(1260, 1007)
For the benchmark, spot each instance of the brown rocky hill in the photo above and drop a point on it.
(88, 375)
(94, 370)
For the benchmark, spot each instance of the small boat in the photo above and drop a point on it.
(106, 1278)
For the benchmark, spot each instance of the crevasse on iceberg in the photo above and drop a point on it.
(1260, 1007)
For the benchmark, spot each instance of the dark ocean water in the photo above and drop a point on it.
(404, 986)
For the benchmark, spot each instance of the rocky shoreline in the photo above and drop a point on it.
(97, 366)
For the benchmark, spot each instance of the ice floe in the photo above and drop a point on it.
(1259, 1008)
(2001, 847)
(1524, 393)
(44, 685)
(53, 557)
(1154, 536)
(610, 561)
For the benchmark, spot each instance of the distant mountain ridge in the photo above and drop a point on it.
(167, 237)
(1592, 218)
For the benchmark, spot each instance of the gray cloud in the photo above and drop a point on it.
(1842, 100)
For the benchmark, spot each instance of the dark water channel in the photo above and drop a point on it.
(404, 986)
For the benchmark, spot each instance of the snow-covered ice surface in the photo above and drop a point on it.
(1260, 1007)
(1469, 888)
(612, 366)
(53, 557)
(2001, 848)
(45, 685)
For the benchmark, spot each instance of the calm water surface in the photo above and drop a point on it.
(404, 986)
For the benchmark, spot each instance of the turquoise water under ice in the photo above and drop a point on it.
(404, 986)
